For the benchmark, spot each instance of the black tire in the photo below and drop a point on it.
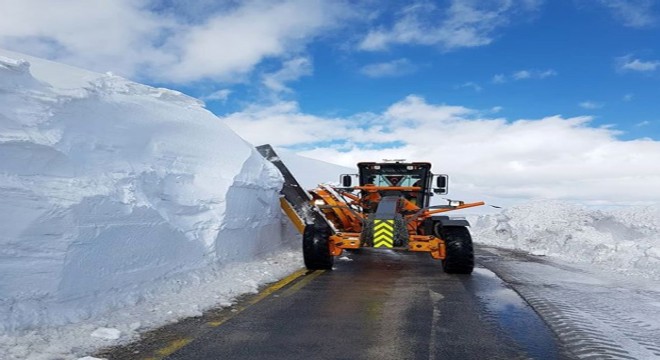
(316, 252)
(460, 252)
(367, 234)
(401, 231)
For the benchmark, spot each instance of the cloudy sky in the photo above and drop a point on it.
(515, 99)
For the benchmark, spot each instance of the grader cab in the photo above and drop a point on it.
(389, 208)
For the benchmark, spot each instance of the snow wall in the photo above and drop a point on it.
(626, 240)
(111, 190)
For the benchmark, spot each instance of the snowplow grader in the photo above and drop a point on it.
(389, 208)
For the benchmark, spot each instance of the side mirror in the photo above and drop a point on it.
(346, 180)
(441, 184)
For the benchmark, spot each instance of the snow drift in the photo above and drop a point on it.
(112, 189)
(626, 240)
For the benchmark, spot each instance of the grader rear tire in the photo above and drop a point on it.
(459, 250)
(401, 234)
(316, 251)
(367, 234)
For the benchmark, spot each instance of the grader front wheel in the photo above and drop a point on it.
(459, 251)
(316, 251)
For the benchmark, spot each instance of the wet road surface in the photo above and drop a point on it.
(377, 304)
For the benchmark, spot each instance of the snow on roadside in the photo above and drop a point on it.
(626, 240)
(171, 301)
(123, 207)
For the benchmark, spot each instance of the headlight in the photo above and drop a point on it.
(319, 202)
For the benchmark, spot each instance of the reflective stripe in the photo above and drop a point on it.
(383, 233)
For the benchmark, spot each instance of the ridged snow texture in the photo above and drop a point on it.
(111, 189)
(625, 240)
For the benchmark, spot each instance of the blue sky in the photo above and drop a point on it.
(515, 98)
(574, 54)
(580, 45)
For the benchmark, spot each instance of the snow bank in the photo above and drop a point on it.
(174, 300)
(626, 240)
(113, 191)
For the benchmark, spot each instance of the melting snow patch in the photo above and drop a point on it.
(538, 252)
(106, 333)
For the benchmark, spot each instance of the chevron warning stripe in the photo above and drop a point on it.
(384, 233)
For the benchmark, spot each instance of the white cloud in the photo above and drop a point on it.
(129, 38)
(392, 68)
(471, 85)
(233, 43)
(220, 95)
(524, 75)
(462, 24)
(643, 123)
(107, 36)
(632, 13)
(628, 97)
(591, 105)
(499, 79)
(291, 70)
(551, 157)
(546, 73)
(631, 64)
(284, 124)
(414, 110)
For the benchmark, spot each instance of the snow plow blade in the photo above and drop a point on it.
(295, 201)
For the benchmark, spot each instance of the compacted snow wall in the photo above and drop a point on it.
(625, 240)
(110, 188)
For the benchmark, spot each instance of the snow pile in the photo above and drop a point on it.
(175, 300)
(627, 240)
(114, 192)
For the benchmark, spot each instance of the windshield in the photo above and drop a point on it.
(395, 180)
(399, 175)
(394, 174)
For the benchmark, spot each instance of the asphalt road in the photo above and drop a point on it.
(380, 304)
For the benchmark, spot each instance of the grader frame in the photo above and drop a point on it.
(390, 208)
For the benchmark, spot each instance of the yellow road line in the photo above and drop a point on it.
(170, 348)
(262, 295)
(177, 344)
(300, 284)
